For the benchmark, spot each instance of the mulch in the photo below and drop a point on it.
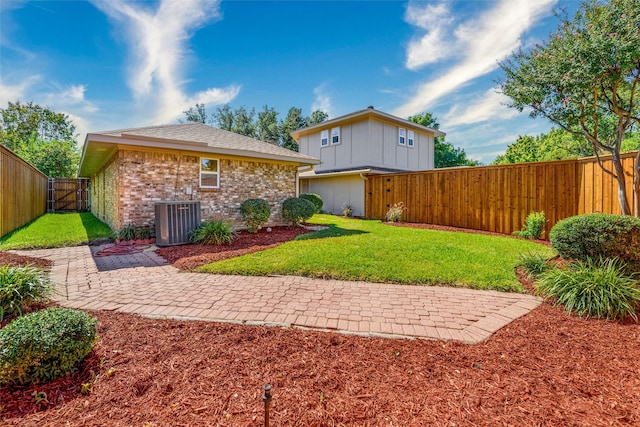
(9, 258)
(187, 257)
(545, 369)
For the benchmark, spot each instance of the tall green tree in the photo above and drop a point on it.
(585, 79)
(267, 125)
(197, 114)
(223, 118)
(445, 154)
(293, 121)
(558, 144)
(243, 122)
(42, 137)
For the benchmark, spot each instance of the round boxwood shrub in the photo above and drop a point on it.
(598, 236)
(255, 213)
(315, 199)
(296, 210)
(44, 345)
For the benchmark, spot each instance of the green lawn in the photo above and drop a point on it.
(56, 230)
(354, 249)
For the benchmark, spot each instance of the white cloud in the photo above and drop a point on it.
(157, 41)
(70, 97)
(490, 105)
(434, 45)
(16, 91)
(481, 41)
(322, 100)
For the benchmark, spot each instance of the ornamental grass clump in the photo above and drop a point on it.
(213, 232)
(44, 345)
(255, 213)
(21, 287)
(296, 210)
(593, 288)
(533, 263)
(394, 214)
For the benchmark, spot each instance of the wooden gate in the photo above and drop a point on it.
(64, 194)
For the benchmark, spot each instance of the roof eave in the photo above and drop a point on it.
(146, 142)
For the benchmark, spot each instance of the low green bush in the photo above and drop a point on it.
(533, 226)
(592, 288)
(255, 213)
(44, 345)
(598, 235)
(21, 287)
(128, 232)
(533, 263)
(213, 232)
(296, 210)
(315, 199)
(394, 214)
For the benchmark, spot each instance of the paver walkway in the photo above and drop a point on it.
(143, 283)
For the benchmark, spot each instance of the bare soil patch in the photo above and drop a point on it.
(187, 257)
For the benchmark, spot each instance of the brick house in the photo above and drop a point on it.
(132, 169)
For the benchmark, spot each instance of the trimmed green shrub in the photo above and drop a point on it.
(598, 235)
(296, 210)
(213, 232)
(592, 288)
(128, 232)
(315, 199)
(394, 214)
(21, 287)
(44, 345)
(533, 226)
(533, 263)
(255, 213)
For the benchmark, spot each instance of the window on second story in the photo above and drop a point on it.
(335, 136)
(402, 136)
(209, 173)
(410, 138)
(324, 138)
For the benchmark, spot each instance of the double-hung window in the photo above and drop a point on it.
(335, 136)
(324, 138)
(402, 139)
(410, 138)
(209, 173)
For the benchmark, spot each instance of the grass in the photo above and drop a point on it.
(56, 230)
(354, 249)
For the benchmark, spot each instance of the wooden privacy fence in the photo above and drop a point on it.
(23, 194)
(498, 198)
(67, 194)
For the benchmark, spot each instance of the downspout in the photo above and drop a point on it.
(301, 168)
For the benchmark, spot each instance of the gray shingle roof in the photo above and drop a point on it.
(213, 138)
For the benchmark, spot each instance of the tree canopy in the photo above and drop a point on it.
(446, 155)
(585, 79)
(42, 137)
(265, 126)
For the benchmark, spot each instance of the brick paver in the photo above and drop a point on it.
(143, 283)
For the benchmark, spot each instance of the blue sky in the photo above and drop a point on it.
(115, 64)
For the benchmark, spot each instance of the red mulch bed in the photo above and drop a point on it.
(187, 257)
(544, 369)
(457, 229)
(8, 258)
